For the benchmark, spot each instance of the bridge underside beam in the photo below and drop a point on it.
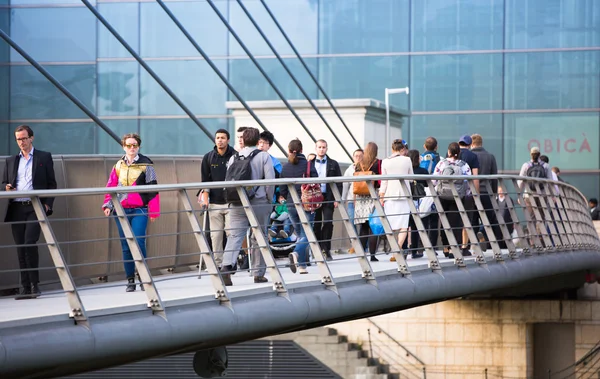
(63, 349)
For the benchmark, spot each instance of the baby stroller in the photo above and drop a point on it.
(280, 232)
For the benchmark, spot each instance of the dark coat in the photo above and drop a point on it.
(290, 170)
(42, 172)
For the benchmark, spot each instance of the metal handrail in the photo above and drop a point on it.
(408, 352)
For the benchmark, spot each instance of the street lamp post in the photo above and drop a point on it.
(388, 92)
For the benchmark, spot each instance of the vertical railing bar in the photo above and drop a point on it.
(532, 235)
(514, 217)
(154, 301)
(216, 70)
(292, 76)
(76, 308)
(260, 69)
(551, 201)
(206, 255)
(146, 67)
(479, 257)
(574, 214)
(367, 271)
(566, 222)
(434, 263)
(506, 235)
(545, 221)
(491, 236)
(259, 235)
(389, 233)
(447, 228)
(324, 270)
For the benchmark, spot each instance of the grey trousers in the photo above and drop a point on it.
(239, 228)
(219, 223)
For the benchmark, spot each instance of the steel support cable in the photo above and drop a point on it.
(147, 68)
(289, 41)
(216, 70)
(58, 85)
(287, 69)
(259, 67)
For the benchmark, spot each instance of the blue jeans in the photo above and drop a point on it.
(302, 240)
(350, 206)
(138, 219)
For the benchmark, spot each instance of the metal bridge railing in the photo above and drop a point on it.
(552, 219)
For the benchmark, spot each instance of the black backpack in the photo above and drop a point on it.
(538, 171)
(240, 169)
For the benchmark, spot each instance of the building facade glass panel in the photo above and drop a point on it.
(107, 145)
(535, 24)
(363, 26)
(251, 84)
(124, 17)
(456, 82)
(299, 18)
(160, 37)
(364, 77)
(201, 90)
(441, 25)
(552, 80)
(62, 34)
(32, 96)
(118, 89)
(62, 137)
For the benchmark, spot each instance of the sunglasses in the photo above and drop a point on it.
(135, 145)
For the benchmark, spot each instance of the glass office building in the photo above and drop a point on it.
(519, 72)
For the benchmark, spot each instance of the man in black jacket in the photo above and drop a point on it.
(323, 226)
(31, 169)
(213, 169)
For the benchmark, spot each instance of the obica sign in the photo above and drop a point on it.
(571, 142)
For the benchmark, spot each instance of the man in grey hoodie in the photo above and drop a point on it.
(262, 168)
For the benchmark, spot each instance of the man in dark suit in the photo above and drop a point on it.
(594, 211)
(323, 226)
(31, 169)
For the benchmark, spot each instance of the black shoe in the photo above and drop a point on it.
(233, 268)
(245, 265)
(374, 259)
(450, 255)
(466, 253)
(226, 275)
(482, 242)
(25, 293)
(416, 255)
(35, 291)
(130, 285)
(140, 280)
(260, 279)
(328, 256)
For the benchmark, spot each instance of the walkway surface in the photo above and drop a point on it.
(186, 288)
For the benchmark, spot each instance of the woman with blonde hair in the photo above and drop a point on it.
(365, 204)
(395, 199)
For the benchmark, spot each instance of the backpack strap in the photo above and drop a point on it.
(307, 169)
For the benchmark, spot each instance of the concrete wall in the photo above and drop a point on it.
(461, 338)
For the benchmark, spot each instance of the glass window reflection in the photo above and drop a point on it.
(160, 37)
(534, 24)
(364, 77)
(457, 25)
(32, 96)
(456, 82)
(107, 145)
(58, 137)
(118, 88)
(298, 18)
(125, 19)
(194, 83)
(363, 26)
(552, 80)
(252, 85)
(178, 136)
(54, 34)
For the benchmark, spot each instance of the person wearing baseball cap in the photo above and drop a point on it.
(473, 161)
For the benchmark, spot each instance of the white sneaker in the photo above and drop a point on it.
(272, 233)
(283, 234)
(293, 262)
(302, 270)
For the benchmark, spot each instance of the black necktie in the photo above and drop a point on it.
(321, 160)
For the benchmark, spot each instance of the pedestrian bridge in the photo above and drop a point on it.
(84, 322)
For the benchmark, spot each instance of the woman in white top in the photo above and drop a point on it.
(348, 188)
(395, 200)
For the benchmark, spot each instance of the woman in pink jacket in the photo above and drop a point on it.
(134, 169)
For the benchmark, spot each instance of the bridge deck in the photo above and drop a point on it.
(186, 288)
